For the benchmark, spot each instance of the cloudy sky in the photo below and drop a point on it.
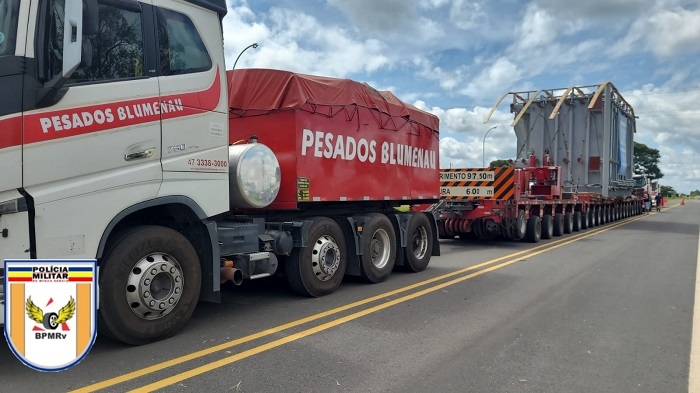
(455, 58)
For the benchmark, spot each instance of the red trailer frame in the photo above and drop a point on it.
(520, 204)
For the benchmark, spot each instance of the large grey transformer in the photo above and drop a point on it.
(587, 130)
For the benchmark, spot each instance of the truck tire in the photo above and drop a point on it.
(558, 224)
(419, 247)
(318, 269)
(547, 226)
(568, 222)
(596, 216)
(379, 249)
(150, 280)
(578, 222)
(534, 229)
(520, 225)
(584, 220)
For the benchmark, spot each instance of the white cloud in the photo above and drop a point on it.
(496, 77)
(668, 118)
(381, 16)
(538, 28)
(674, 31)
(395, 20)
(432, 4)
(327, 50)
(467, 14)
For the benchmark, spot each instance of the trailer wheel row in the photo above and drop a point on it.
(318, 269)
(569, 222)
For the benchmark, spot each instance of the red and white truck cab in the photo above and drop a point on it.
(107, 107)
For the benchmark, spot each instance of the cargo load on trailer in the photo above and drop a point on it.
(335, 139)
(572, 169)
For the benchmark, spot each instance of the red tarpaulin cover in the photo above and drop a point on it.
(336, 140)
(258, 91)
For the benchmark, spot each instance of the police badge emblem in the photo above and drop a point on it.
(50, 311)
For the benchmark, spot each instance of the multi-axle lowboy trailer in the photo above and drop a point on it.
(572, 170)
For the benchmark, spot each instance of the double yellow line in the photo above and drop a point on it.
(487, 266)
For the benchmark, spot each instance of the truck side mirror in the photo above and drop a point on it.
(72, 37)
(86, 54)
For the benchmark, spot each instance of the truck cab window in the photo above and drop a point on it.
(117, 48)
(181, 48)
(8, 26)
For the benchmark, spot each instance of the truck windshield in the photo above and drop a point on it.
(8, 26)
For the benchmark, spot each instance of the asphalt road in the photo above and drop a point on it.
(609, 309)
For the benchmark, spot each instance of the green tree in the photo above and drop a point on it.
(499, 163)
(695, 193)
(646, 161)
(668, 191)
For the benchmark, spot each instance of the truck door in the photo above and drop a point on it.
(194, 104)
(11, 70)
(94, 148)
(14, 218)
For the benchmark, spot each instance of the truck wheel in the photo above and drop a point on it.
(149, 285)
(520, 225)
(596, 215)
(419, 246)
(558, 224)
(379, 249)
(318, 269)
(534, 229)
(547, 226)
(507, 228)
(578, 223)
(568, 222)
(604, 219)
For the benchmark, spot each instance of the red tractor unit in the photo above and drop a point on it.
(572, 171)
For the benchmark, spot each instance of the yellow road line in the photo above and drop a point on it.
(339, 321)
(264, 333)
